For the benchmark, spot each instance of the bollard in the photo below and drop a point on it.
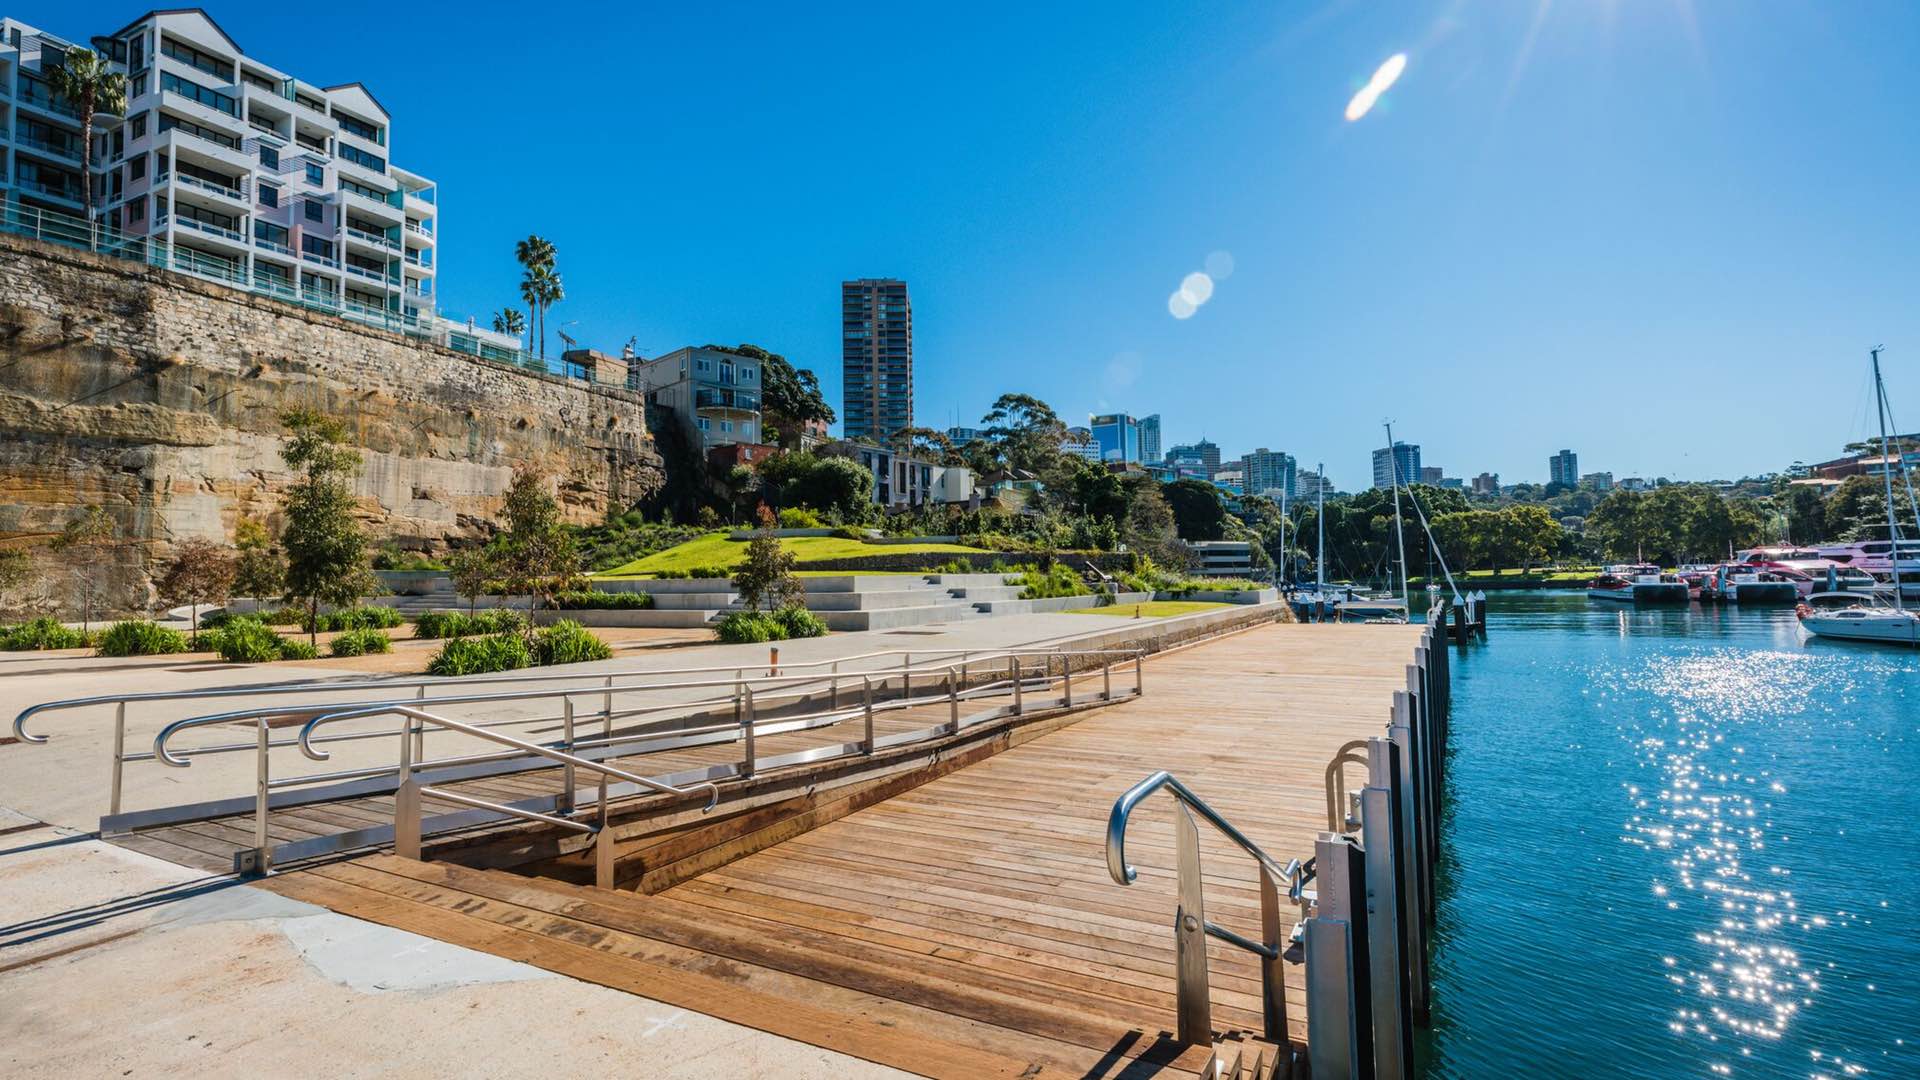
(866, 740)
(1339, 1002)
(773, 661)
(1388, 937)
(746, 734)
(1013, 666)
(566, 771)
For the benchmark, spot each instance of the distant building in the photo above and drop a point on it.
(1432, 475)
(1231, 479)
(901, 480)
(1270, 473)
(1564, 468)
(1401, 460)
(960, 436)
(1486, 483)
(1119, 437)
(1634, 483)
(1150, 438)
(714, 394)
(1223, 558)
(1453, 483)
(1309, 484)
(876, 358)
(1079, 442)
(1869, 464)
(1201, 459)
(1597, 481)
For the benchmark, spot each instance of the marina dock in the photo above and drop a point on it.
(967, 925)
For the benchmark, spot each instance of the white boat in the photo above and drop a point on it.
(1889, 624)
(1638, 585)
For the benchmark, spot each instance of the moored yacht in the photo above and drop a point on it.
(1741, 583)
(1638, 585)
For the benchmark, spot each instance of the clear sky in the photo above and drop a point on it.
(1662, 233)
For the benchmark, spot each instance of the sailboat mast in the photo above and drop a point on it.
(1886, 475)
(1399, 532)
(1284, 556)
(1320, 527)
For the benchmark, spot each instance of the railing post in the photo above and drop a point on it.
(606, 746)
(746, 732)
(1191, 999)
(566, 770)
(953, 703)
(833, 689)
(1412, 875)
(420, 730)
(1106, 680)
(1139, 672)
(866, 739)
(406, 801)
(1066, 681)
(119, 755)
(906, 678)
(1013, 666)
(1339, 1013)
(1273, 979)
(262, 861)
(603, 862)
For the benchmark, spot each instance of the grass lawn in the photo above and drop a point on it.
(1151, 609)
(714, 549)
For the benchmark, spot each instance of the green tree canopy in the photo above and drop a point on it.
(325, 549)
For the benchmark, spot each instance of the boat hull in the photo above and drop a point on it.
(1886, 629)
(1763, 592)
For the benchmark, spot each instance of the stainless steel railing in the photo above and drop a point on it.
(754, 701)
(1190, 925)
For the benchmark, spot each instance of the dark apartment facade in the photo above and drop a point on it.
(876, 333)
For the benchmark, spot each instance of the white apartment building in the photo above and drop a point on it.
(246, 173)
(714, 394)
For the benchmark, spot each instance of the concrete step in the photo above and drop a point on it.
(975, 593)
(893, 618)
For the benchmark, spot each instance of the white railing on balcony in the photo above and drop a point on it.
(416, 229)
(321, 260)
(184, 180)
(370, 275)
(370, 238)
(71, 153)
(268, 245)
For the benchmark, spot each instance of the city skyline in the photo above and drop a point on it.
(1608, 130)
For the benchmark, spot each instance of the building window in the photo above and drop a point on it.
(139, 126)
(316, 174)
(726, 427)
(194, 58)
(271, 233)
(269, 156)
(212, 99)
(137, 209)
(360, 127)
(312, 210)
(704, 424)
(137, 168)
(360, 157)
(726, 373)
(746, 374)
(269, 195)
(317, 245)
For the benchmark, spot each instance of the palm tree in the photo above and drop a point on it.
(551, 291)
(536, 255)
(509, 321)
(84, 79)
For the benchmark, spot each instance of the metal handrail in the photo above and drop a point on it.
(561, 756)
(1123, 806)
(1190, 925)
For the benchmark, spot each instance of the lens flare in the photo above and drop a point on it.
(1180, 306)
(1197, 288)
(1383, 79)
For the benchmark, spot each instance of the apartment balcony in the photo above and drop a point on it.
(383, 277)
(38, 99)
(221, 236)
(713, 401)
(215, 196)
(377, 209)
(422, 200)
(420, 261)
(320, 260)
(361, 174)
(269, 247)
(372, 240)
(47, 149)
(419, 233)
(179, 144)
(66, 193)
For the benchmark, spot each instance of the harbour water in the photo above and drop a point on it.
(1680, 843)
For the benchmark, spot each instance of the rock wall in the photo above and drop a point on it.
(158, 396)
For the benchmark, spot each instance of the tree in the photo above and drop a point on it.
(1027, 432)
(90, 86)
(201, 571)
(1198, 513)
(16, 571)
(87, 545)
(260, 570)
(790, 397)
(1531, 533)
(536, 257)
(472, 570)
(509, 321)
(1149, 529)
(835, 486)
(767, 573)
(1806, 516)
(537, 554)
(326, 553)
(925, 444)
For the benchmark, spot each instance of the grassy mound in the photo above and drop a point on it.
(716, 552)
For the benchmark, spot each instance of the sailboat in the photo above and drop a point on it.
(1873, 623)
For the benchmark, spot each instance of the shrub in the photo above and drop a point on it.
(798, 622)
(360, 642)
(746, 627)
(1185, 586)
(1057, 580)
(41, 633)
(356, 618)
(499, 621)
(567, 642)
(246, 640)
(799, 517)
(441, 624)
(851, 532)
(603, 601)
(139, 637)
(480, 655)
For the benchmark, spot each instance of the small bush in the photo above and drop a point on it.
(139, 637)
(356, 618)
(361, 642)
(603, 601)
(455, 624)
(798, 622)
(799, 517)
(441, 624)
(247, 640)
(41, 633)
(499, 621)
(710, 572)
(567, 642)
(1057, 580)
(851, 532)
(746, 627)
(481, 655)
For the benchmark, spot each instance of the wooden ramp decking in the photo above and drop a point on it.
(968, 927)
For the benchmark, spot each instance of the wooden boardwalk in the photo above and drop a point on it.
(968, 927)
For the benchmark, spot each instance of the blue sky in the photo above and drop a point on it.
(1661, 233)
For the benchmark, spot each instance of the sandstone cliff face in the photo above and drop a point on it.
(159, 397)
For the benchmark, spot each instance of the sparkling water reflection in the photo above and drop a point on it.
(1682, 843)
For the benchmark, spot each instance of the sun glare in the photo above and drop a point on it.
(1383, 79)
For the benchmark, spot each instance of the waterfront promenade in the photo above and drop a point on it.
(964, 927)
